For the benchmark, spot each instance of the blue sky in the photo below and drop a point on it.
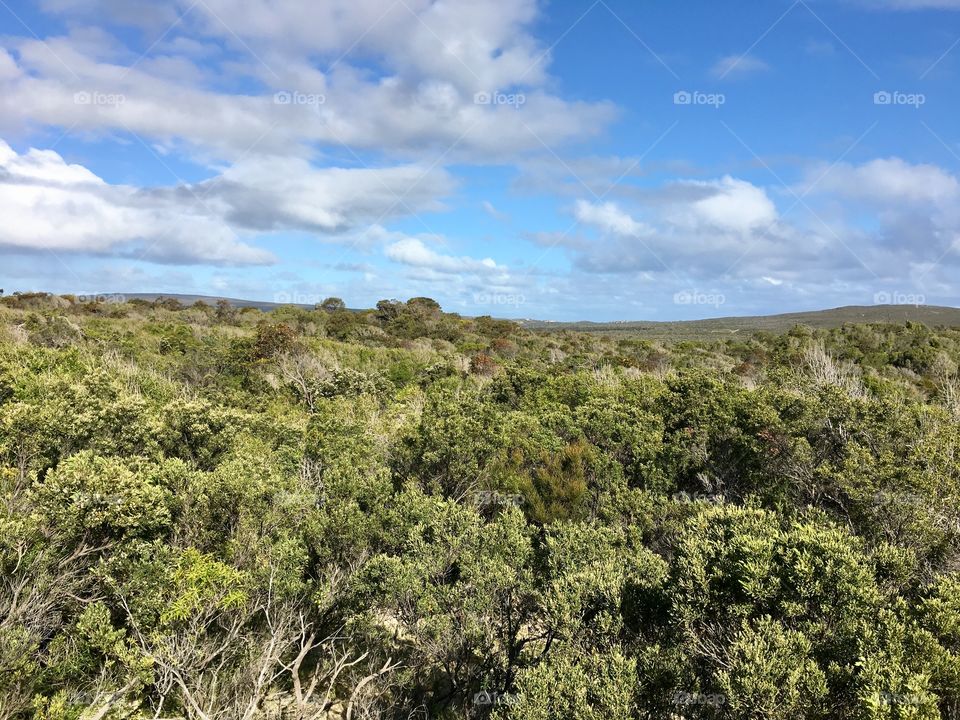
(611, 160)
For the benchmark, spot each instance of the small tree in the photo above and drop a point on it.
(273, 340)
(483, 364)
(333, 304)
(387, 310)
(225, 312)
(429, 305)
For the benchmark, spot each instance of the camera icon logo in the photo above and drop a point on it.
(482, 98)
(682, 98)
(882, 98)
(483, 698)
(282, 98)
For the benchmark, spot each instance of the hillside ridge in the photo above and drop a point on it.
(932, 315)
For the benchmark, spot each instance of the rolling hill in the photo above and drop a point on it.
(931, 315)
(725, 327)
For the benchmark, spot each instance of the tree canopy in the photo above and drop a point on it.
(403, 513)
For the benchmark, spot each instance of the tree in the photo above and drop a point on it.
(424, 304)
(273, 340)
(225, 312)
(333, 304)
(387, 310)
(594, 686)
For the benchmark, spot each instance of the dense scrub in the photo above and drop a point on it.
(212, 513)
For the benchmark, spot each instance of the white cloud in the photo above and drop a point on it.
(726, 205)
(734, 205)
(738, 65)
(490, 209)
(48, 204)
(696, 228)
(8, 66)
(413, 252)
(474, 44)
(461, 280)
(881, 224)
(913, 209)
(889, 180)
(609, 218)
(415, 92)
(271, 193)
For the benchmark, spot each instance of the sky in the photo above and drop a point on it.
(564, 160)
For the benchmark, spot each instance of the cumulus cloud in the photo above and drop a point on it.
(731, 204)
(402, 81)
(461, 280)
(887, 180)
(479, 45)
(611, 219)
(270, 193)
(916, 207)
(696, 228)
(262, 95)
(413, 252)
(726, 205)
(856, 229)
(49, 203)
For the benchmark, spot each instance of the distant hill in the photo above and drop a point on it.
(719, 328)
(731, 326)
(208, 299)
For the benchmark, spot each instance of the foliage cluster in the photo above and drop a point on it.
(218, 513)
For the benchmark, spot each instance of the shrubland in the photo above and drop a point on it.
(402, 513)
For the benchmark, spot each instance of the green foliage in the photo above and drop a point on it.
(597, 687)
(51, 330)
(272, 339)
(333, 304)
(101, 500)
(219, 513)
(770, 673)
